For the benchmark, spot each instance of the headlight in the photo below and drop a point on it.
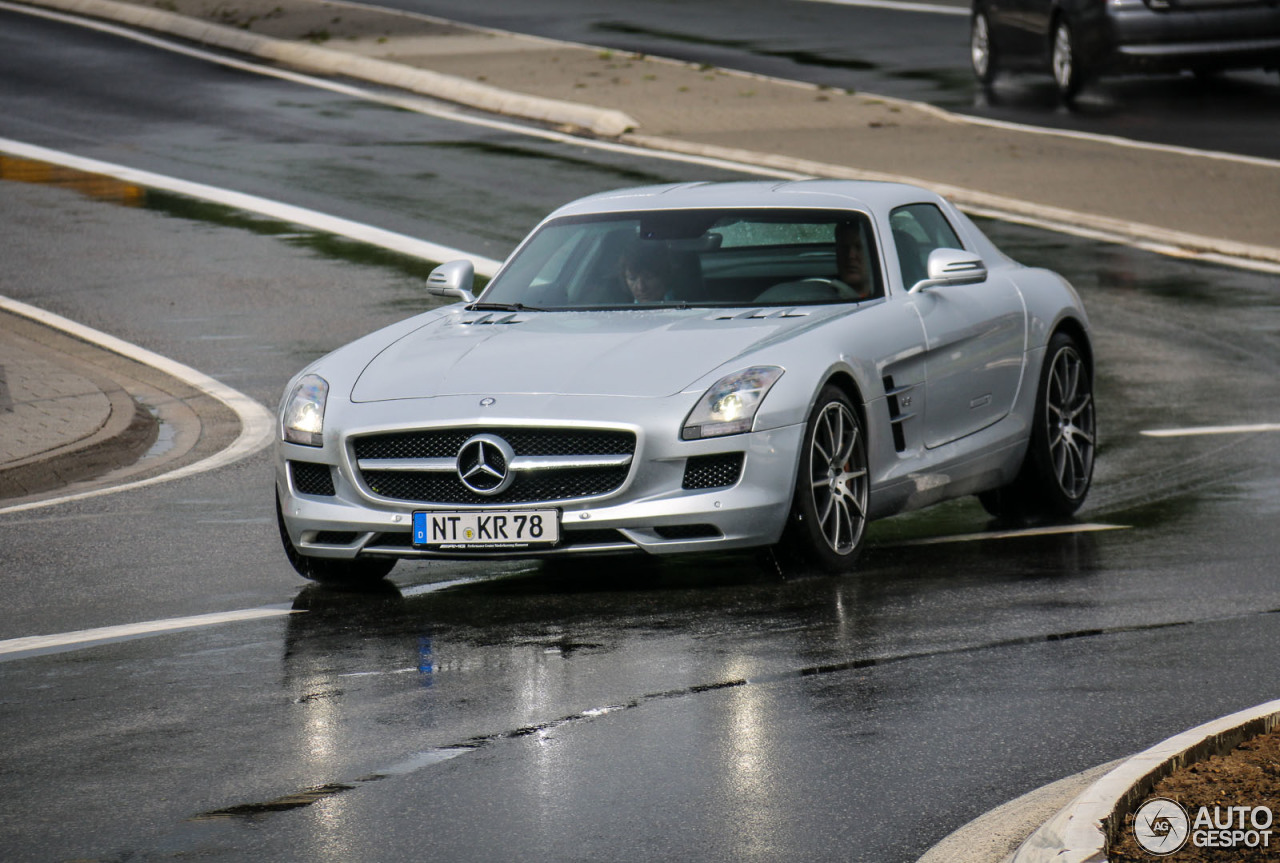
(302, 417)
(730, 406)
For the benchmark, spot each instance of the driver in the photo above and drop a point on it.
(647, 272)
(851, 268)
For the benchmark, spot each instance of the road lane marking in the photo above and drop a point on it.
(257, 424)
(1054, 530)
(1133, 234)
(38, 645)
(254, 204)
(1197, 431)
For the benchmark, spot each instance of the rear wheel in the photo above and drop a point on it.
(351, 573)
(828, 517)
(981, 50)
(1068, 73)
(1058, 467)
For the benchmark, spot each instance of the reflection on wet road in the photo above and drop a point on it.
(694, 710)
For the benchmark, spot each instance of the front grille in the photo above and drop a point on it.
(445, 443)
(530, 487)
(712, 471)
(545, 485)
(312, 478)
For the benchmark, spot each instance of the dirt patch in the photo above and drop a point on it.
(1248, 775)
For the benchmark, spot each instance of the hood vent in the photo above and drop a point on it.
(763, 314)
(489, 318)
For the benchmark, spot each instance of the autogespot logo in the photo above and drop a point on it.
(1161, 826)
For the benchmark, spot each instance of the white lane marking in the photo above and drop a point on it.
(1057, 530)
(35, 644)
(257, 424)
(1213, 430)
(252, 203)
(1132, 234)
(896, 6)
(416, 104)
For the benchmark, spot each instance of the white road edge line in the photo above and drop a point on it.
(257, 424)
(1136, 235)
(86, 637)
(416, 104)
(1213, 430)
(252, 203)
(1056, 530)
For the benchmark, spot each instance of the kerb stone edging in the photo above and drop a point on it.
(599, 121)
(1079, 832)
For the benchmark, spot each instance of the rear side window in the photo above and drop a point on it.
(918, 229)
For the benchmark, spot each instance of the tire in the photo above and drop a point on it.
(827, 524)
(982, 52)
(330, 571)
(1064, 61)
(1058, 468)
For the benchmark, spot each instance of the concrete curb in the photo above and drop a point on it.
(598, 121)
(985, 204)
(1080, 831)
(248, 426)
(609, 123)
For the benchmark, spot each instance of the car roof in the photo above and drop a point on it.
(868, 195)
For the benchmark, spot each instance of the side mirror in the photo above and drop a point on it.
(952, 267)
(453, 279)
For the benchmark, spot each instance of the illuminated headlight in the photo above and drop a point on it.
(730, 406)
(302, 417)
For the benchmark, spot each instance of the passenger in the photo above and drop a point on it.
(647, 272)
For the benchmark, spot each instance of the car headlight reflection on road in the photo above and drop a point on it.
(302, 417)
(730, 406)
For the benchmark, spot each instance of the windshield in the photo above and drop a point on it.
(693, 258)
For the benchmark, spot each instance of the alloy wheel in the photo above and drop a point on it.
(1064, 71)
(838, 477)
(980, 47)
(1071, 423)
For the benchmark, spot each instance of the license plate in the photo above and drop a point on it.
(497, 529)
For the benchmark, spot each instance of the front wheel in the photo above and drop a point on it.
(1058, 468)
(828, 517)
(345, 573)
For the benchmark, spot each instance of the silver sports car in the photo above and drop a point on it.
(697, 367)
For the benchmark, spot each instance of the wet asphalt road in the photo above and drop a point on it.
(704, 710)
(912, 55)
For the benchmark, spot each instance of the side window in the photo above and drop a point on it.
(918, 229)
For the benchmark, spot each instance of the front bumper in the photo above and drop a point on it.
(650, 512)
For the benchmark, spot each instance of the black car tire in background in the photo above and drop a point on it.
(982, 51)
(828, 520)
(349, 573)
(1064, 60)
(1058, 468)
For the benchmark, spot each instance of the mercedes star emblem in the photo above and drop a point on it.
(484, 464)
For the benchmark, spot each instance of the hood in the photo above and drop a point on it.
(638, 353)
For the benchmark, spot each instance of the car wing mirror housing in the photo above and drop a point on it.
(952, 267)
(454, 279)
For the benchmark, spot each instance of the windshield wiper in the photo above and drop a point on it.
(503, 307)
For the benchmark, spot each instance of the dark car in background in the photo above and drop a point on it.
(1079, 40)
